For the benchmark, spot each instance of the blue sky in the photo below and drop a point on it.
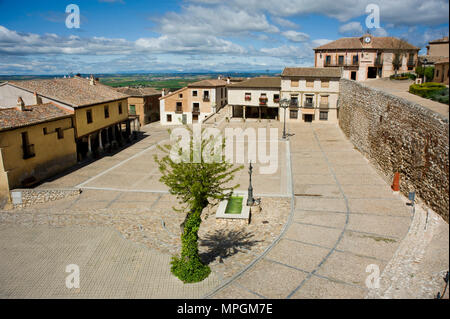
(196, 35)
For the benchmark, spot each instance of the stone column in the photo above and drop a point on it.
(89, 153)
(100, 142)
(243, 112)
(114, 142)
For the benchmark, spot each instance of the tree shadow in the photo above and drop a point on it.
(225, 243)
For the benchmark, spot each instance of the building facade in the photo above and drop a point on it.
(367, 57)
(256, 98)
(438, 47)
(441, 71)
(312, 93)
(143, 102)
(194, 103)
(36, 142)
(100, 113)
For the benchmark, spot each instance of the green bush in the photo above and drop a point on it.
(403, 76)
(430, 90)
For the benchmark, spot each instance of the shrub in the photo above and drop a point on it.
(403, 76)
(427, 90)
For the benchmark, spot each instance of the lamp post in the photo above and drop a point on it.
(250, 200)
(284, 103)
(424, 62)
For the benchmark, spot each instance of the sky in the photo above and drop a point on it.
(117, 36)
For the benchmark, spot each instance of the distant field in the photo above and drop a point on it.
(167, 84)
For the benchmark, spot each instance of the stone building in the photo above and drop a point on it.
(438, 47)
(313, 94)
(367, 57)
(193, 103)
(143, 102)
(256, 98)
(441, 71)
(100, 113)
(36, 142)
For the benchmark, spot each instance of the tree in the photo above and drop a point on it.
(196, 185)
(401, 49)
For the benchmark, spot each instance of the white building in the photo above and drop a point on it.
(255, 98)
(313, 94)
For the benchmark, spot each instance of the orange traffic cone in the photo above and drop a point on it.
(396, 184)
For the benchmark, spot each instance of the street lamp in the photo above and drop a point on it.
(424, 62)
(284, 103)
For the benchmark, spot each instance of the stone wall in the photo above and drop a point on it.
(36, 196)
(399, 136)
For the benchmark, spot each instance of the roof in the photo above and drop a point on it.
(313, 72)
(208, 83)
(376, 43)
(443, 61)
(258, 82)
(441, 40)
(11, 118)
(432, 59)
(138, 91)
(74, 91)
(172, 93)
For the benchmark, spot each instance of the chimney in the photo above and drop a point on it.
(20, 104)
(228, 80)
(37, 99)
(219, 77)
(163, 92)
(92, 80)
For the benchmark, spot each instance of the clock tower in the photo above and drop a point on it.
(366, 40)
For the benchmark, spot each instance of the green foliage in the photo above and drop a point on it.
(196, 185)
(429, 73)
(403, 76)
(431, 90)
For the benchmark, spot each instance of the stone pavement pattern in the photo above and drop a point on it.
(343, 217)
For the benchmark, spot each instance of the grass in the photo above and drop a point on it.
(234, 205)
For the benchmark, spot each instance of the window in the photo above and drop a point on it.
(194, 93)
(325, 83)
(293, 114)
(355, 59)
(309, 83)
(179, 107)
(341, 60)
(169, 117)
(132, 109)
(89, 116)
(60, 133)
(196, 108)
(248, 96)
(28, 149)
(294, 83)
(120, 107)
(106, 111)
(206, 96)
(294, 101)
(276, 98)
(328, 59)
(45, 130)
(309, 101)
(180, 96)
(323, 116)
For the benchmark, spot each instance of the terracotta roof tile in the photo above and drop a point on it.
(258, 82)
(376, 43)
(138, 91)
(11, 118)
(313, 72)
(208, 83)
(74, 91)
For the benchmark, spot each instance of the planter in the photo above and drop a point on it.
(234, 210)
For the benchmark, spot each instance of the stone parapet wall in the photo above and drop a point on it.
(397, 135)
(38, 196)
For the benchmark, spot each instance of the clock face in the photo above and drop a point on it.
(367, 39)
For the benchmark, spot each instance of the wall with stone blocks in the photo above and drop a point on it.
(399, 136)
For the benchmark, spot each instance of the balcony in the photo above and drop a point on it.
(248, 98)
(206, 98)
(411, 63)
(293, 103)
(308, 105)
(179, 110)
(28, 151)
(324, 105)
(196, 111)
(263, 101)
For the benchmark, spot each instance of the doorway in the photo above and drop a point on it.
(308, 118)
(353, 75)
(372, 73)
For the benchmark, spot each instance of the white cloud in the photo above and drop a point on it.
(379, 32)
(295, 36)
(351, 29)
(284, 22)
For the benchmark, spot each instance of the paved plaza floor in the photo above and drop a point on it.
(328, 216)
